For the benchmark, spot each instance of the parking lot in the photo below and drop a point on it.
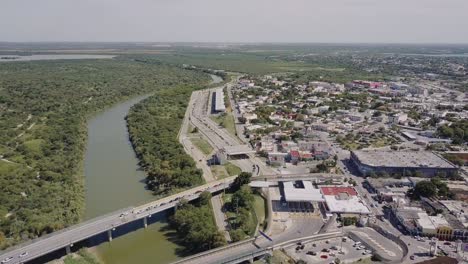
(326, 251)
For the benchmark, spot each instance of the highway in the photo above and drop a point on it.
(67, 237)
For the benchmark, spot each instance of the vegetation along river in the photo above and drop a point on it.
(114, 181)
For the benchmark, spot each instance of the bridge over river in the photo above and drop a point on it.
(64, 239)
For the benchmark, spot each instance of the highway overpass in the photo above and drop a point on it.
(249, 249)
(64, 239)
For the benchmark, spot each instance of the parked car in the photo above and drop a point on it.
(324, 256)
(312, 253)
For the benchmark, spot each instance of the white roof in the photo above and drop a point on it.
(219, 100)
(351, 205)
(262, 184)
(308, 193)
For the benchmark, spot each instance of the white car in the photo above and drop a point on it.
(24, 254)
(7, 260)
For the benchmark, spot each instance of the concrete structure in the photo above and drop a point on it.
(233, 152)
(402, 162)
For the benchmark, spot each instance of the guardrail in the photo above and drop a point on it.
(258, 252)
(64, 230)
(210, 252)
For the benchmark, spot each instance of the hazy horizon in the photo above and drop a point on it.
(242, 21)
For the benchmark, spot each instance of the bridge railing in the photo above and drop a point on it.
(256, 252)
(64, 230)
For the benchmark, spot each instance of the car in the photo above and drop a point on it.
(24, 254)
(412, 257)
(325, 250)
(7, 260)
(447, 243)
(327, 242)
(332, 254)
(122, 215)
(344, 239)
(314, 245)
(334, 247)
(312, 253)
(324, 256)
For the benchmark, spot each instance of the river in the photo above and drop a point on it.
(114, 181)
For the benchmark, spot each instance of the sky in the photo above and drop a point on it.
(330, 21)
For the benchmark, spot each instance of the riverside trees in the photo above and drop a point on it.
(43, 110)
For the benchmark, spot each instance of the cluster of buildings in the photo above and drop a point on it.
(332, 199)
(448, 220)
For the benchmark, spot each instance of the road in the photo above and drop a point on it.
(217, 136)
(301, 228)
(66, 237)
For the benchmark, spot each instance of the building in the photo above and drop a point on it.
(218, 101)
(277, 158)
(301, 191)
(399, 118)
(425, 163)
(344, 200)
(407, 218)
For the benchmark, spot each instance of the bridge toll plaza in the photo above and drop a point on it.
(234, 153)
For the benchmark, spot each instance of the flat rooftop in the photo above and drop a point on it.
(409, 159)
(301, 191)
(219, 100)
(337, 190)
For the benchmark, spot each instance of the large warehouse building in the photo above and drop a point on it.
(401, 162)
(218, 101)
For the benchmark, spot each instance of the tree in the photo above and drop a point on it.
(242, 197)
(204, 198)
(243, 178)
(237, 235)
(424, 189)
(242, 119)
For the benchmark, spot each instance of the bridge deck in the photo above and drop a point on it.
(66, 237)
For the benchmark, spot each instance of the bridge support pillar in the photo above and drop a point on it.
(68, 249)
(109, 235)
(145, 221)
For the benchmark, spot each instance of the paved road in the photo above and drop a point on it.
(300, 228)
(380, 244)
(73, 234)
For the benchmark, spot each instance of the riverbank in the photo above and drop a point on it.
(138, 246)
(44, 133)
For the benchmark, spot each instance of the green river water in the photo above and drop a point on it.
(114, 181)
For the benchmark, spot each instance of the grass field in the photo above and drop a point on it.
(227, 121)
(218, 171)
(202, 145)
(232, 169)
(224, 171)
(260, 210)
